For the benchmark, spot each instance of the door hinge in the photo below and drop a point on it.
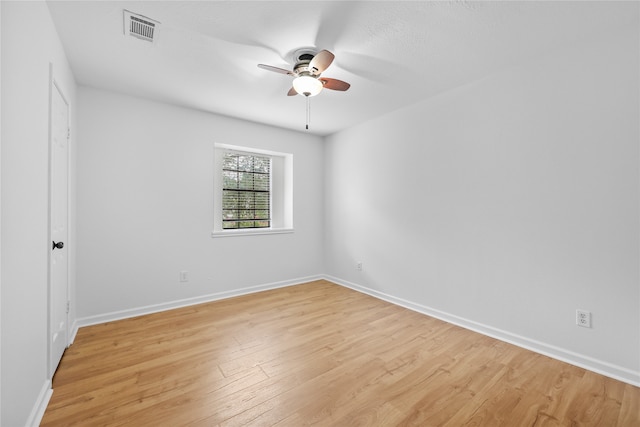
(68, 305)
(68, 133)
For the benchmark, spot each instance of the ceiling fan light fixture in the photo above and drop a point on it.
(307, 85)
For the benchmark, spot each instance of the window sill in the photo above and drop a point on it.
(250, 232)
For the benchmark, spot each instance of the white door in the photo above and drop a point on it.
(59, 271)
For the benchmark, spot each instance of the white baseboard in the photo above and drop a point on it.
(73, 332)
(40, 405)
(601, 367)
(125, 314)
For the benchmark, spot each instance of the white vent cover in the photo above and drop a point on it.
(140, 26)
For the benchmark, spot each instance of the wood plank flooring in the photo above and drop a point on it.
(319, 354)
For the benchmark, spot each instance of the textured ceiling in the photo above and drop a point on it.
(393, 53)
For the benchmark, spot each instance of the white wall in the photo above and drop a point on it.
(145, 207)
(26, 56)
(505, 205)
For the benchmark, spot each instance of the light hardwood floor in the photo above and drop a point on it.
(319, 354)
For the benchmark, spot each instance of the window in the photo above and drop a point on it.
(246, 189)
(252, 191)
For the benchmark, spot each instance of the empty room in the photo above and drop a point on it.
(289, 213)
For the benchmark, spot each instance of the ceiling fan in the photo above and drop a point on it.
(307, 81)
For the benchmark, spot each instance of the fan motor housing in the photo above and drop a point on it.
(301, 58)
(302, 69)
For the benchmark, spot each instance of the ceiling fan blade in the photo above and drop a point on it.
(292, 92)
(275, 69)
(335, 84)
(321, 61)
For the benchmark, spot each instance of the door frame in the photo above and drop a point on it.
(54, 86)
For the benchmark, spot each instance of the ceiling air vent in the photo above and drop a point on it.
(139, 26)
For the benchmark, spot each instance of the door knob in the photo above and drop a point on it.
(58, 245)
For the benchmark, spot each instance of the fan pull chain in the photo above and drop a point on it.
(308, 112)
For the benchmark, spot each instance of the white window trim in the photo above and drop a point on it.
(250, 232)
(281, 193)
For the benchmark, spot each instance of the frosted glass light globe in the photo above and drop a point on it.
(307, 85)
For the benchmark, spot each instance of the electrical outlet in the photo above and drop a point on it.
(359, 266)
(184, 276)
(583, 318)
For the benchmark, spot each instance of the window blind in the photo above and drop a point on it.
(246, 191)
